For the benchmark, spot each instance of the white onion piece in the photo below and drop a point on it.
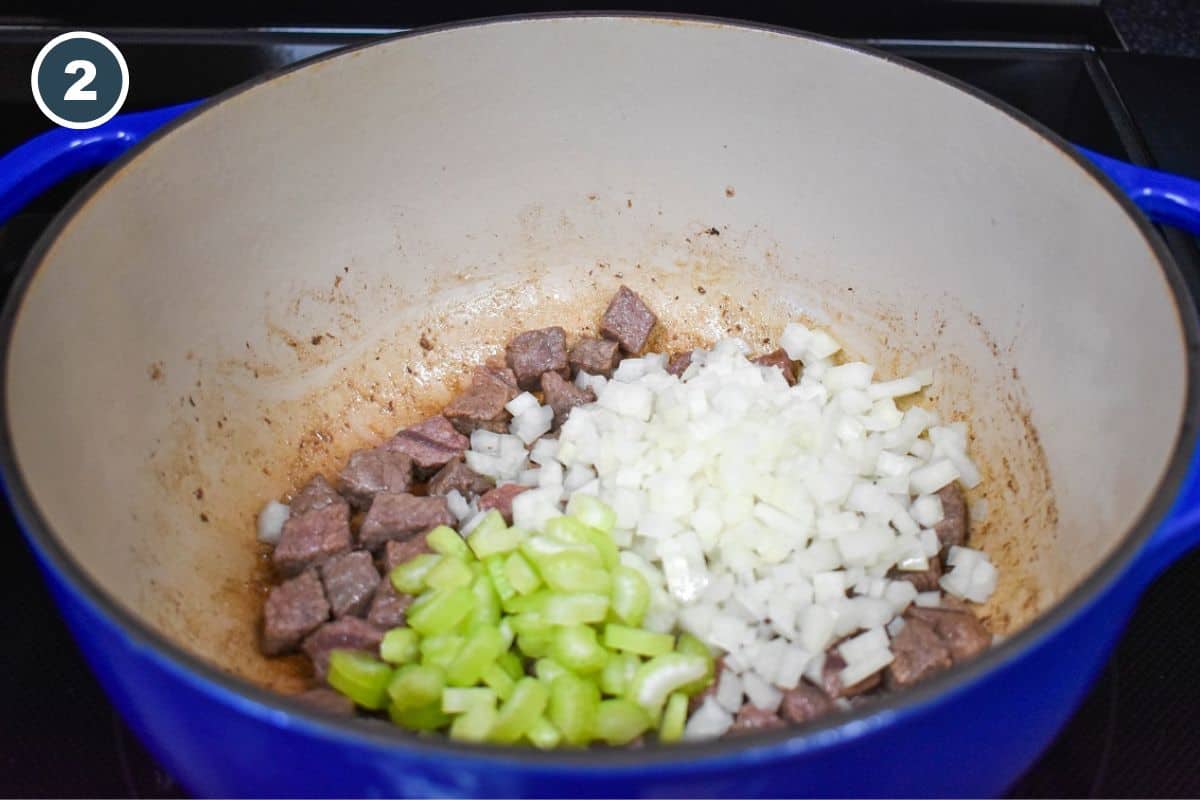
(270, 521)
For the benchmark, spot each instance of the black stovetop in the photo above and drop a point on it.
(1133, 736)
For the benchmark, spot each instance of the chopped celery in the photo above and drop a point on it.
(448, 542)
(481, 650)
(492, 536)
(535, 602)
(443, 611)
(671, 729)
(662, 675)
(520, 573)
(547, 669)
(543, 735)
(529, 622)
(572, 708)
(571, 572)
(475, 724)
(441, 650)
(539, 548)
(409, 577)
(506, 630)
(520, 711)
(637, 640)
(568, 529)
(691, 645)
(487, 604)
(620, 721)
(416, 685)
(500, 582)
(591, 511)
(605, 546)
(421, 718)
(576, 648)
(449, 573)
(496, 678)
(399, 646)
(360, 677)
(618, 673)
(535, 645)
(458, 701)
(630, 595)
(510, 662)
(575, 609)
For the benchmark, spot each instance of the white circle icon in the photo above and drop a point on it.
(79, 80)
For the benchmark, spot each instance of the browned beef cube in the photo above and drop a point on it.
(398, 516)
(779, 358)
(920, 653)
(347, 633)
(697, 700)
(628, 321)
(595, 356)
(678, 363)
(832, 682)
(924, 581)
(312, 537)
(317, 493)
(327, 701)
(430, 444)
(952, 530)
(562, 396)
(293, 610)
(482, 404)
(963, 633)
(501, 499)
(456, 476)
(389, 606)
(751, 718)
(350, 581)
(372, 471)
(398, 551)
(531, 353)
(804, 703)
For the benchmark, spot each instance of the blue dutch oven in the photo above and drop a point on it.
(234, 303)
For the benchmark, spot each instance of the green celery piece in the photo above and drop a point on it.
(571, 572)
(521, 574)
(520, 711)
(661, 675)
(691, 645)
(576, 648)
(511, 663)
(362, 678)
(538, 548)
(441, 650)
(409, 577)
(481, 650)
(569, 529)
(422, 718)
(475, 724)
(543, 735)
(674, 718)
(496, 678)
(416, 685)
(529, 622)
(506, 630)
(460, 700)
(443, 611)
(399, 646)
(547, 669)
(572, 708)
(537, 644)
(592, 511)
(449, 573)
(637, 640)
(487, 604)
(491, 536)
(630, 595)
(618, 672)
(535, 602)
(620, 721)
(448, 542)
(576, 609)
(500, 582)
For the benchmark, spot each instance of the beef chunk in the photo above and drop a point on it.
(964, 635)
(398, 551)
(389, 606)
(832, 683)
(919, 652)
(780, 359)
(924, 581)
(327, 701)
(628, 321)
(678, 363)
(952, 530)
(595, 356)
(347, 633)
(312, 537)
(751, 718)
(482, 404)
(372, 471)
(531, 353)
(294, 609)
(398, 516)
(350, 581)
(317, 493)
(457, 476)
(430, 444)
(804, 703)
(562, 396)
(501, 499)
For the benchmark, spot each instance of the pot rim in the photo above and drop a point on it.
(767, 746)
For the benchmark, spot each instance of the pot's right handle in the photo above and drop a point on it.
(1164, 198)
(45, 160)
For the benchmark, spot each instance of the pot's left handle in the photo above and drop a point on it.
(1164, 198)
(45, 160)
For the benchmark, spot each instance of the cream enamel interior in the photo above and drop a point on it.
(242, 303)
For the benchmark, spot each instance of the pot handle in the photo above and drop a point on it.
(1164, 198)
(44, 160)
